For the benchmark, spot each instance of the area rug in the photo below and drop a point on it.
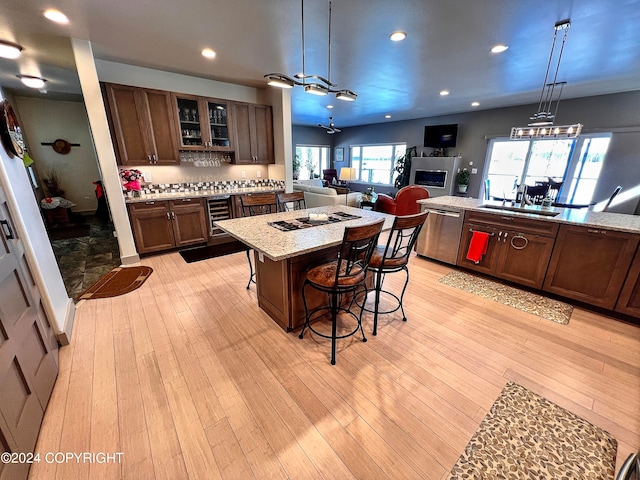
(118, 281)
(528, 302)
(212, 251)
(525, 436)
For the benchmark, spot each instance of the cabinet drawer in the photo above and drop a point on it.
(513, 222)
(186, 203)
(148, 207)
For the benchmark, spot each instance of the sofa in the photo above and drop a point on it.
(315, 195)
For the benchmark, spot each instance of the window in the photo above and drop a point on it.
(512, 162)
(375, 163)
(313, 159)
(585, 175)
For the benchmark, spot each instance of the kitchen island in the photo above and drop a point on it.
(282, 257)
(591, 257)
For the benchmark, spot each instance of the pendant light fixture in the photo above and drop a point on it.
(541, 123)
(9, 49)
(313, 84)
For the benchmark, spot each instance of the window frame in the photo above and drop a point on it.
(573, 161)
(394, 156)
(325, 157)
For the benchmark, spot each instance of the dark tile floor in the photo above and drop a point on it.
(83, 260)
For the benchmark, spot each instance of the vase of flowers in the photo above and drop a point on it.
(130, 178)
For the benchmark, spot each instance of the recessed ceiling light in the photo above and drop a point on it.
(56, 16)
(387, 116)
(9, 50)
(208, 53)
(475, 104)
(398, 36)
(32, 82)
(329, 106)
(444, 92)
(499, 48)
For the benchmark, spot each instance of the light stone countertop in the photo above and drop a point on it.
(279, 245)
(200, 194)
(584, 217)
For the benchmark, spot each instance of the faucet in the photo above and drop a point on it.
(523, 200)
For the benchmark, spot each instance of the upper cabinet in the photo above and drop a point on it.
(204, 123)
(142, 125)
(253, 133)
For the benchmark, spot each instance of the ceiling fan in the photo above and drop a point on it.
(331, 128)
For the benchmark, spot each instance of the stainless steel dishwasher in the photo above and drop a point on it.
(440, 236)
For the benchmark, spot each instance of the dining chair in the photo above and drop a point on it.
(391, 258)
(630, 469)
(256, 204)
(345, 275)
(291, 201)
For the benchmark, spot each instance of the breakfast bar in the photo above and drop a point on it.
(282, 256)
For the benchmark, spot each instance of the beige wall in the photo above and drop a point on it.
(49, 120)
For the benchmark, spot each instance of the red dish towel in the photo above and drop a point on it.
(478, 246)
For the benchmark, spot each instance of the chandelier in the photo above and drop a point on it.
(313, 84)
(541, 122)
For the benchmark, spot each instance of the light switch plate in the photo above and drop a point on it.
(474, 171)
(258, 174)
(243, 174)
(147, 177)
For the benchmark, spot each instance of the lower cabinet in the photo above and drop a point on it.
(162, 225)
(518, 250)
(629, 300)
(590, 265)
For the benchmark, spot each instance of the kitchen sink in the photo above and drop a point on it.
(530, 209)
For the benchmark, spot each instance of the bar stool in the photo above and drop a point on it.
(394, 257)
(291, 201)
(256, 204)
(346, 275)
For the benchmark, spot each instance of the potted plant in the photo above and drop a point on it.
(403, 168)
(462, 179)
(296, 167)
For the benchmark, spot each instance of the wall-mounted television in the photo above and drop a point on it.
(440, 136)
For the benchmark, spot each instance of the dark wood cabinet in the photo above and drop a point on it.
(252, 133)
(204, 123)
(590, 264)
(162, 225)
(142, 125)
(519, 249)
(629, 300)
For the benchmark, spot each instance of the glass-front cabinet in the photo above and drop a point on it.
(204, 123)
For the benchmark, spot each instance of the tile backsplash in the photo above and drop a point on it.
(223, 186)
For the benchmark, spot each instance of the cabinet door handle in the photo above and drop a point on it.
(526, 242)
(149, 158)
(504, 239)
(168, 216)
(155, 159)
(603, 232)
(6, 228)
(186, 199)
(510, 219)
(149, 203)
(173, 215)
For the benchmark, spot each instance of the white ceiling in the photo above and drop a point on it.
(448, 47)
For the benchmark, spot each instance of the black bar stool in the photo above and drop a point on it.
(345, 275)
(256, 204)
(394, 257)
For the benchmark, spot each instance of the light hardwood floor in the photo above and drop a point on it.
(190, 379)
